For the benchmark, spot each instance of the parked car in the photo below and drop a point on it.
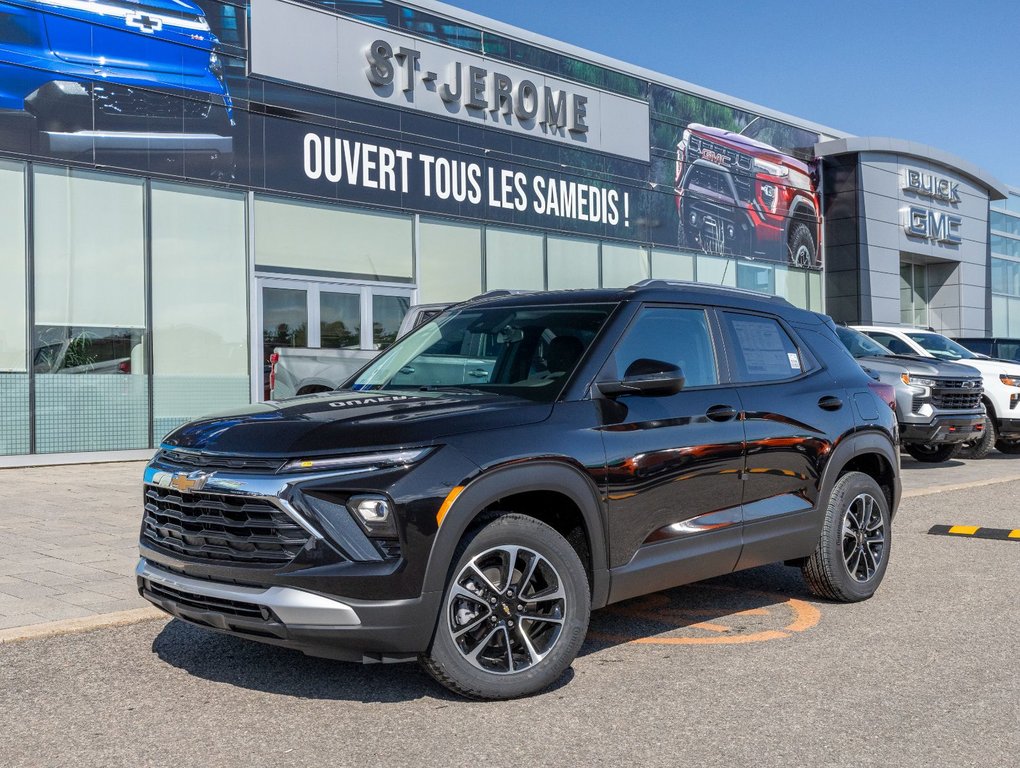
(305, 371)
(738, 194)
(97, 80)
(1001, 349)
(938, 404)
(626, 441)
(1000, 383)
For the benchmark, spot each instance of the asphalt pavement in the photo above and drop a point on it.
(747, 669)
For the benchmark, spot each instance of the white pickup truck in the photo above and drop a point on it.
(303, 371)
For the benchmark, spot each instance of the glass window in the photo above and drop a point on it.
(762, 349)
(941, 346)
(90, 312)
(623, 265)
(327, 239)
(716, 270)
(676, 336)
(894, 344)
(449, 261)
(387, 314)
(523, 352)
(572, 262)
(339, 320)
(1004, 222)
(1013, 311)
(514, 260)
(816, 301)
(199, 304)
(13, 319)
(792, 285)
(672, 265)
(754, 277)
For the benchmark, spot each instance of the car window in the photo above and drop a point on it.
(1007, 350)
(896, 345)
(941, 346)
(762, 349)
(981, 346)
(675, 335)
(859, 344)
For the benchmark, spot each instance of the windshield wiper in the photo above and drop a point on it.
(448, 388)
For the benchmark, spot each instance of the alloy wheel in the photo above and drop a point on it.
(506, 609)
(863, 537)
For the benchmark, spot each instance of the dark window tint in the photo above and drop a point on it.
(895, 345)
(983, 346)
(676, 336)
(762, 349)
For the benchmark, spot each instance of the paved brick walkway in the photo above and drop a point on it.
(68, 541)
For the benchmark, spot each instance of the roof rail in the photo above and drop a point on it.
(663, 283)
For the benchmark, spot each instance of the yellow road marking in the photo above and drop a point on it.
(1015, 534)
(965, 530)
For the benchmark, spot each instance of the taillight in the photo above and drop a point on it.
(884, 392)
(124, 366)
(274, 358)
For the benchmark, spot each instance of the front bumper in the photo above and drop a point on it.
(943, 429)
(1008, 428)
(330, 627)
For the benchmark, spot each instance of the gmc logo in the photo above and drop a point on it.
(932, 225)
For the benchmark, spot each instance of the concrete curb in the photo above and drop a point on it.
(83, 624)
(956, 487)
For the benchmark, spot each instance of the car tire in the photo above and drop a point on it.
(802, 245)
(979, 447)
(1007, 446)
(489, 643)
(931, 454)
(853, 547)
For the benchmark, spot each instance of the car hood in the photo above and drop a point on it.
(990, 366)
(336, 422)
(919, 366)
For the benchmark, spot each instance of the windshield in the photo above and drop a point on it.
(941, 347)
(860, 345)
(527, 352)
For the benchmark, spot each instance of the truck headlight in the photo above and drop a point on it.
(917, 381)
(361, 461)
(772, 169)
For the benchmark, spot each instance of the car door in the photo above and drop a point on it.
(673, 461)
(793, 411)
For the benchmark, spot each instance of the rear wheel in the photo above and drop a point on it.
(853, 549)
(979, 447)
(931, 454)
(515, 611)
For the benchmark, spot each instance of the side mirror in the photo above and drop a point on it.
(648, 378)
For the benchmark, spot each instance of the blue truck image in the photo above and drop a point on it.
(119, 82)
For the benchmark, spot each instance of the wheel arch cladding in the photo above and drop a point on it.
(869, 453)
(555, 493)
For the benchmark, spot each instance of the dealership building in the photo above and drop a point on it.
(187, 184)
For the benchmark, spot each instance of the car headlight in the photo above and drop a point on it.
(1009, 381)
(362, 461)
(772, 169)
(917, 381)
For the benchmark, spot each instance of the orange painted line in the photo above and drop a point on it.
(447, 503)
(964, 530)
(709, 626)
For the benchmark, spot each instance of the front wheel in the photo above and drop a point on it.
(931, 454)
(1007, 446)
(853, 549)
(515, 611)
(801, 244)
(978, 447)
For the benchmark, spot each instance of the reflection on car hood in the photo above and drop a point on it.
(332, 422)
(920, 366)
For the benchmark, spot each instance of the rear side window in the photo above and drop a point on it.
(673, 335)
(896, 345)
(762, 349)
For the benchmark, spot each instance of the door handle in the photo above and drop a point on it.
(721, 413)
(830, 403)
(479, 373)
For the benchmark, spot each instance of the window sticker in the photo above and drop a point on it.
(794, 360)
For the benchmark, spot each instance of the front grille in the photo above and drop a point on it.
(954, 395)
(220, 527)
(123, 100)
(213, 462)
(915, 403)
(726, 158)
(205, 603)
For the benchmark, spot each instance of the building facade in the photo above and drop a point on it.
(187, 184)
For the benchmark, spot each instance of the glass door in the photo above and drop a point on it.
(283, 315)
(914, 295)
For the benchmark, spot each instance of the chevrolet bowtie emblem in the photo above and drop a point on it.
(144, 22)
(186, 482)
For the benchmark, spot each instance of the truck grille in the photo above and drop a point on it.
(951, 394)
(738, 163)
(123, 100)
(221, 527)
(190, 459)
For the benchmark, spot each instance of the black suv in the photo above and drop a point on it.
(476, 490)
